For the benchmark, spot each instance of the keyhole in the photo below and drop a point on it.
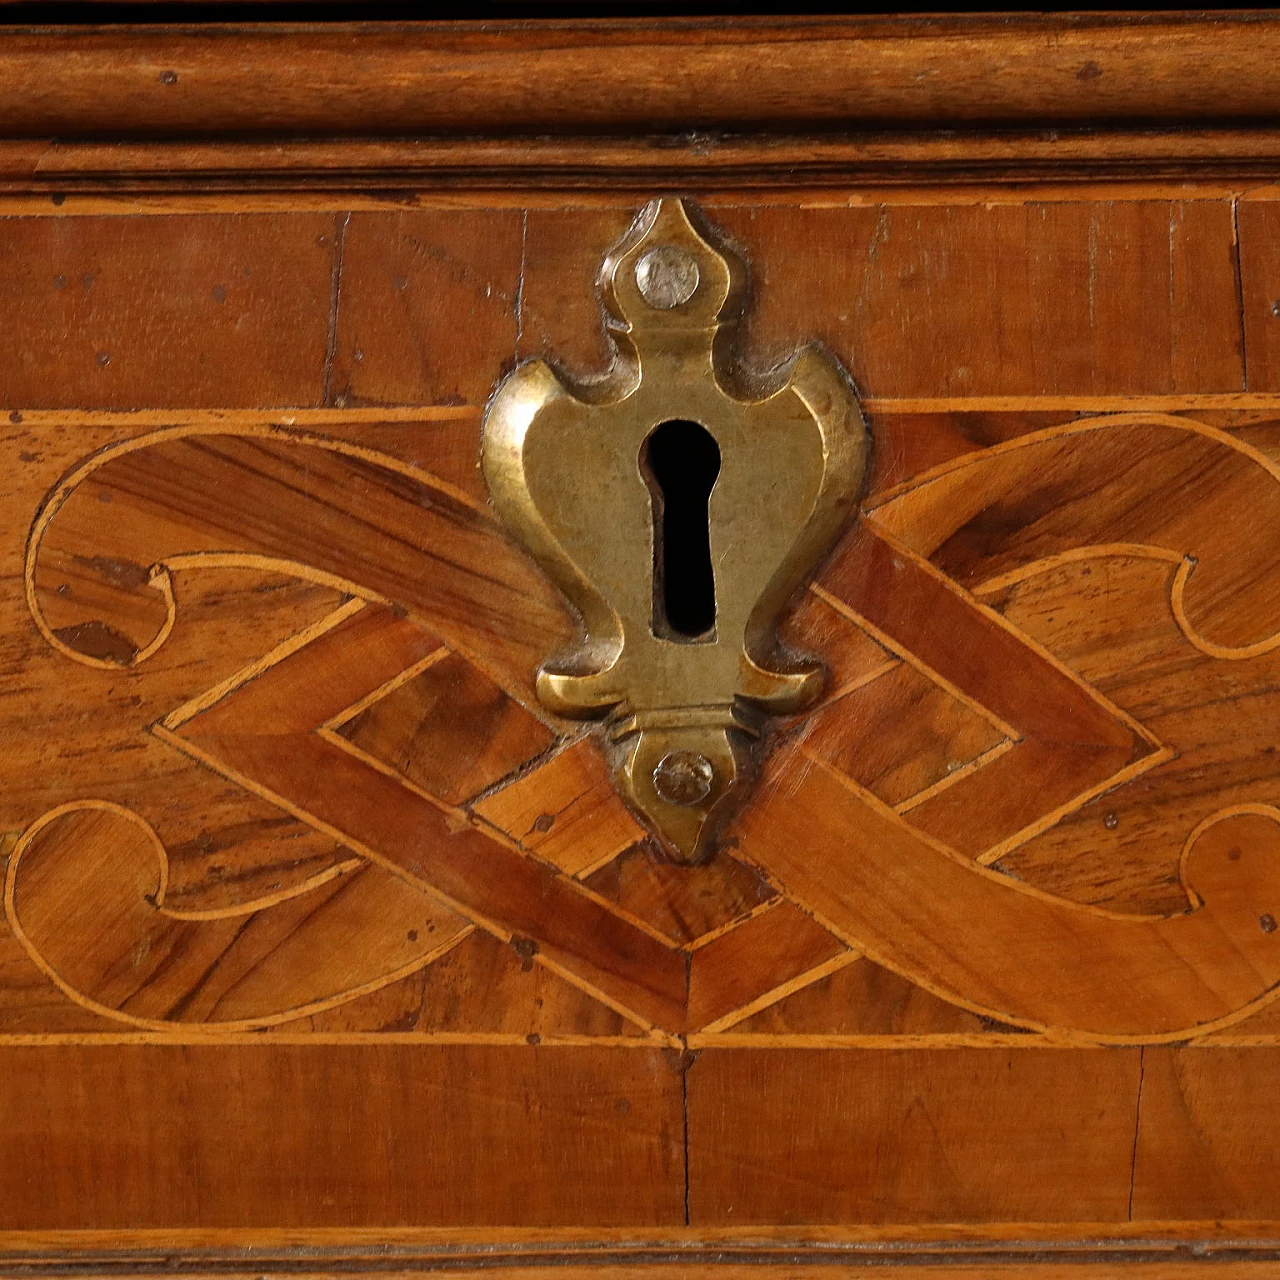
(681, 461)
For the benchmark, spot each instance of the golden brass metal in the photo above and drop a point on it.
(567, 468)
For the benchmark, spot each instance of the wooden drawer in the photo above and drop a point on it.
(329, 944)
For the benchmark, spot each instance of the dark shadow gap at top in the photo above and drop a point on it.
(178, 12)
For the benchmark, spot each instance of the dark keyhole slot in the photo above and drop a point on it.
(681, 461)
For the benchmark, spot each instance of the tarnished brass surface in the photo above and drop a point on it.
(570, 472)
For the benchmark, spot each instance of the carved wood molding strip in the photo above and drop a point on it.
(640, 163)
(645, 102)
(1146, 1251)
(647, 75)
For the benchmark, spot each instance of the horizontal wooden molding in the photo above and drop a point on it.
(1154, 1249)
(690, 161)
(671, 102)
(639, 76)
(1027, 1259)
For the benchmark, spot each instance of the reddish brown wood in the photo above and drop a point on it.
(870, 735)
(1260, 291)
(329, 1146)
(863, 999)
(642, 75)
(1208, 1133)
(566, 812)
(1034, 298)
(755, 960)
(852, 1136)
(428, 305)
(682, 903)
(437, 851)
(417, 979)
(450, 730)
(481, 987)
(1024, 299)
(235, 311)
(1227, 160)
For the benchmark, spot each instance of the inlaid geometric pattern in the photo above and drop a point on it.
(955, 793)
(447, 728)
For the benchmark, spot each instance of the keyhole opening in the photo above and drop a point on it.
(681, 460)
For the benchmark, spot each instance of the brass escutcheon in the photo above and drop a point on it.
(677, 503)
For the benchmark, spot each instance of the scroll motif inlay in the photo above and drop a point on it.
(1041, 653)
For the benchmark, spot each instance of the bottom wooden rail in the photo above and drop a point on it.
(1146, 1250)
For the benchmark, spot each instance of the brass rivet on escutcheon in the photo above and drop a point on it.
(667, 277)
(683, 777)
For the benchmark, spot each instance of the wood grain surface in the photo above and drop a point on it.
(322, 1126)
(643, 75)
(326, 947)
(640, 103)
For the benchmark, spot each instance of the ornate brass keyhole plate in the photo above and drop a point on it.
(677, 503)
